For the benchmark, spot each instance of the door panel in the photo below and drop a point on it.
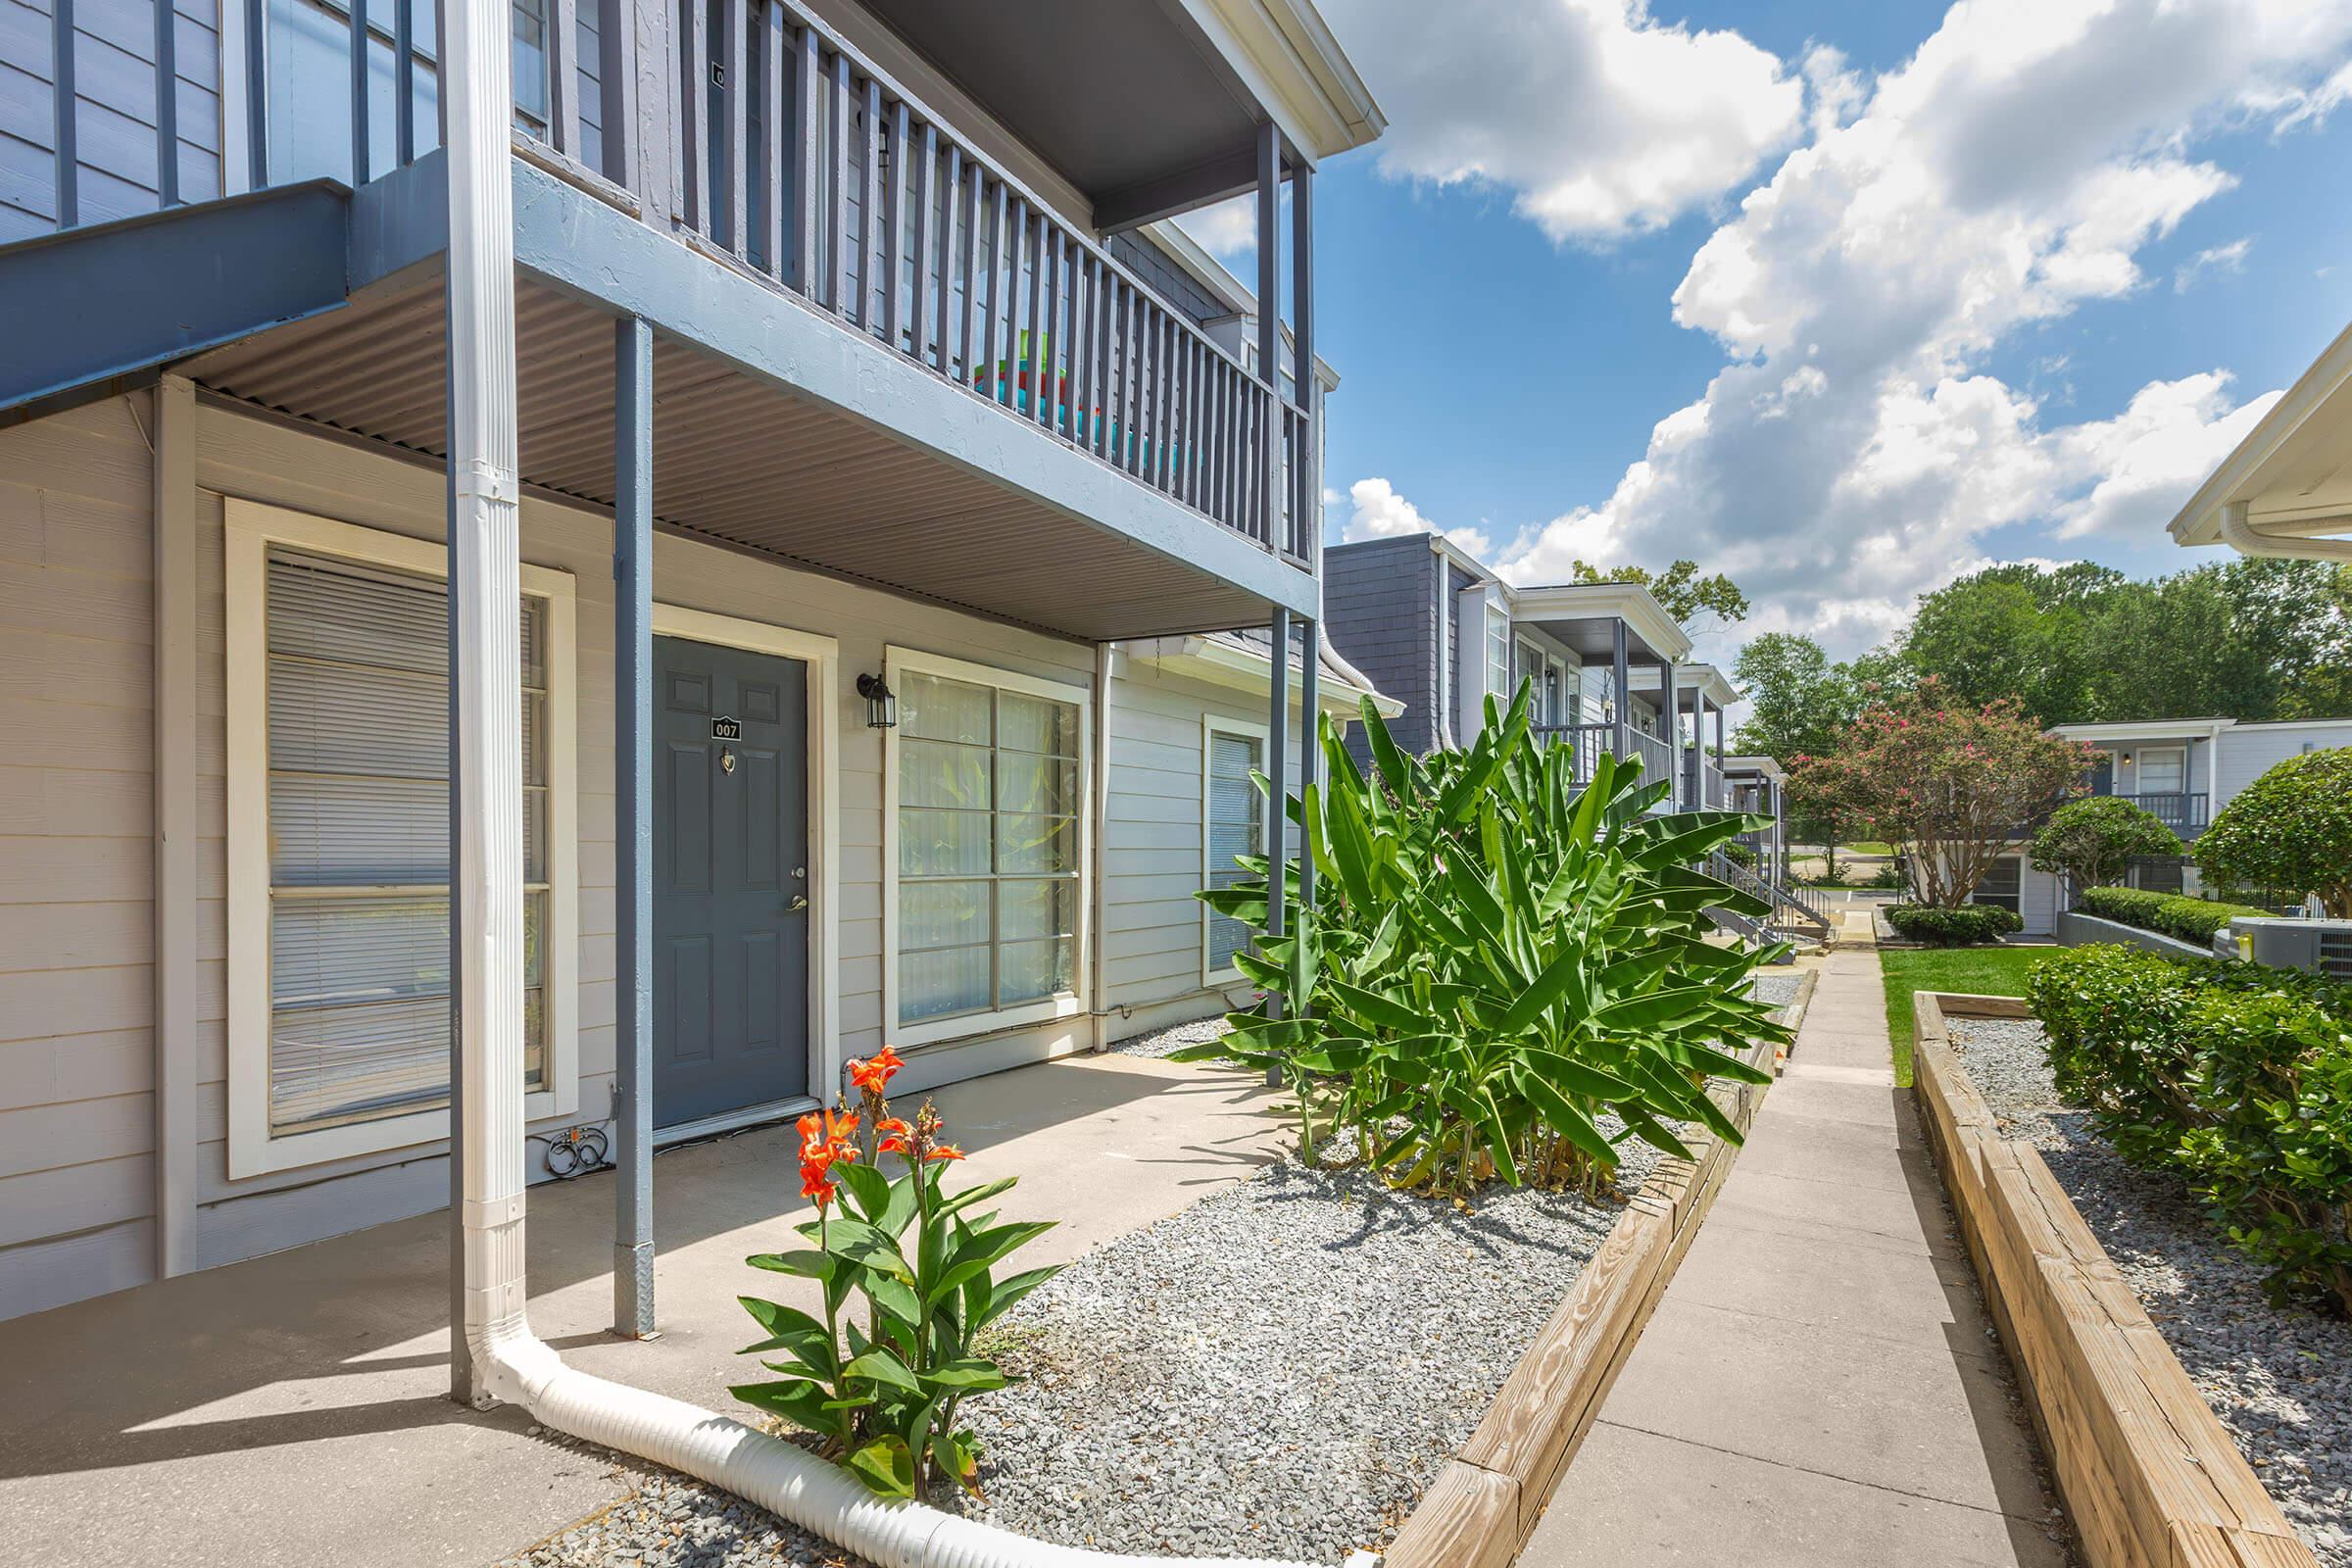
(732, 855)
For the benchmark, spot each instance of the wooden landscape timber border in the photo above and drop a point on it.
(2147, 1471)
(1485, 1503)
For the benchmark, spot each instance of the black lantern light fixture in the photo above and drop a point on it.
(881, 703)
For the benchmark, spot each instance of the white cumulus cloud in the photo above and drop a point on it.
(1597, 119)
(1377, 512)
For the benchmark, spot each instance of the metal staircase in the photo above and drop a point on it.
(1798, 914)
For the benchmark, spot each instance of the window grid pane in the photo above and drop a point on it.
(987, 847)
(1235, 821)
(358, 834)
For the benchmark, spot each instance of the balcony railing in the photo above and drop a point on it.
(2182, 811)
(1592, 742)
(800, 160)
(1703, 780)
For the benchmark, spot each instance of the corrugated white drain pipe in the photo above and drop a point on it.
(507, 1362)
(776, 1475)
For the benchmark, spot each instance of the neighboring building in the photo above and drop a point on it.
(882, 346)
(2182, 772)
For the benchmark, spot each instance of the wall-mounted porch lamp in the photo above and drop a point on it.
(881, 703)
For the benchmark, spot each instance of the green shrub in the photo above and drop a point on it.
(2095, 839)
(1964, 926)
(1741, 855)
(2175, 915)
(2236, 1077)
(1498, 959)
(2290, 829)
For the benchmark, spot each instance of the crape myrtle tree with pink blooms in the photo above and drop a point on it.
(1952, 785)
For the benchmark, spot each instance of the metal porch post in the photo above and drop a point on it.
(633, 717)
(1718, 740)
(485, 699)
(1269, 328)
(1670, 709)
(1622, 674)
(1278, 767)
(1310, 748)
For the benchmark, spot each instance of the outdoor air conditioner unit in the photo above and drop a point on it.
(2325, 946)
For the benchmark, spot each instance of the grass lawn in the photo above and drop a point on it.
(1982, 971)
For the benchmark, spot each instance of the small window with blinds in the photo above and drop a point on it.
(1233, 824)
(989, 792)
(359, 863)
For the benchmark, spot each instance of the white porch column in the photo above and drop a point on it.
(485, 696)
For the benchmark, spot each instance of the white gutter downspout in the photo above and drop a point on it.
(1099, 960)
(501, 1360)
(2244, 537)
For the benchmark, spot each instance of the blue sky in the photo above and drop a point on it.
(2008, 280)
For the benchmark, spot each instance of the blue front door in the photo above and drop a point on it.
(730, 880)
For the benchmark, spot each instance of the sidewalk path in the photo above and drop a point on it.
(1818, 1385)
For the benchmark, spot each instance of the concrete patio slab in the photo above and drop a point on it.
(1817, 1385)
(294, 1409)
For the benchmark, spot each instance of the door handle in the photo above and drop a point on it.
(797, 905)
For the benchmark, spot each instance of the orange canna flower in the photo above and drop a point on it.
(945, 1152)
(896, 1137)
(816, 1181)
(875, 1073)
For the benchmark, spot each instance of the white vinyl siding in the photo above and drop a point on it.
(1234, 824)
(987, 821)
(358, 842)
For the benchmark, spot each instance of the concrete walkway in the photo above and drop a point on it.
(1818, 1385)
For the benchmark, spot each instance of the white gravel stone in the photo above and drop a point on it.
(2280, 1379)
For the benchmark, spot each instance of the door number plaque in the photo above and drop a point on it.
(724, 728)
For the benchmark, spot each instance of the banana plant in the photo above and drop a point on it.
(1503, 963)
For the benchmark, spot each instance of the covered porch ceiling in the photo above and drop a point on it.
(1585, 617)
(1187, 83)
(740, 460)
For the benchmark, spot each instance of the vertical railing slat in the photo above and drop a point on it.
(735, 96)
(1105, 402)
(358, 62)
(1016, 247)
(562, 75)
(616, 94)
(256, 93)
(869, 202)
(1134, 380)
(1057, 340)
(1033, 235)
(775, 139)
(993, 308)
(1163, 471)
(404, 85)
(808, 160)
(894, 220)
(1065, 333)
(1195, 356)
(167, 104)
(837, 171)
(693, 133)
(926, 195)
(965, 193)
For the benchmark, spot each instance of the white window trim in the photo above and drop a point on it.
(251, 530)
(2140, 766)
(1211, 727)
(823, 743)
(895, 662)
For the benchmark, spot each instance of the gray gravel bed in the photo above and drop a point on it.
(666, 1520)
(1776, 990)
(1162, 1041)
(1279, 1370)
(2280, 1380)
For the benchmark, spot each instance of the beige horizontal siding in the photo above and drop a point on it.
(76, 856)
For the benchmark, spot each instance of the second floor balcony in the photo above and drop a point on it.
(902, 330)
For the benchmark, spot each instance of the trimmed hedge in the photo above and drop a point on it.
(1966, 926)
(2175, 915)
(2234, 1077)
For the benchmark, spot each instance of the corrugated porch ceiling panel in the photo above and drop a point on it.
(739, 460)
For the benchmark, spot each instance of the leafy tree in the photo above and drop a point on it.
(2252, 639)
(1678, 590)
(2291, 831)
(2095, 839)
(1952, 784)
(1800, 703)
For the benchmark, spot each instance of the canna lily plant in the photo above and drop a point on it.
(907, 1270)
(1501, 962)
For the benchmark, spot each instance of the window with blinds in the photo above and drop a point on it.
(1234, 824)
(988, 873)
(358, 712)
(1498, 655)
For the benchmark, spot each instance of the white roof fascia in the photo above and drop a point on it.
(1287, 57)
(2237, 481)
(2145, 729)
(1244, 669)
(1629, 602)
(1706, 678)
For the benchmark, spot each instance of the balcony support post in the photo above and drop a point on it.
(633, 719)
(1306, 483)
(1622, 674)
(1269, 325)
(1310, 752)
(1670, 709)
(1278, 768)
